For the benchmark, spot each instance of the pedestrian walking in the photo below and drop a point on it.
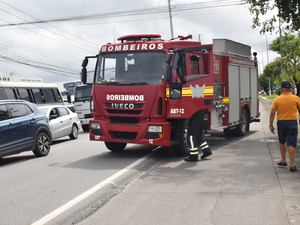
(195, 137)
(286, 106)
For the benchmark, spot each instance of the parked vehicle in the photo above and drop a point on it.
(22, 128)
(70, 106)
(38, 93)
(82, 104)
(62, 121)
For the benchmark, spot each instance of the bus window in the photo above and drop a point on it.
(49, 95)
(38, 96)
(10, 94)
(24, 94)
(2, 96)
(57, 95)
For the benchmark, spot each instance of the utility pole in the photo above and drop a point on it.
(282, 75)
(267, 48)
(270, 90)
(170, 16)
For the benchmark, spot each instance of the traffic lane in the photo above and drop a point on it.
(35, 187)
(110, 188)
(238, 184)
(28, 155)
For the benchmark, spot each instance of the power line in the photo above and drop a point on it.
(157, 10)
(51, 65)
(61, 72)
(49, 25)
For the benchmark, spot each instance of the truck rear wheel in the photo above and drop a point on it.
(239, 130)
(244, 123)
(228, 132)
(115, 146)
(182, 149)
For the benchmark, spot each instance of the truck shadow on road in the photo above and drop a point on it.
(110, 160)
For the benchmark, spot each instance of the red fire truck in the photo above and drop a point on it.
(145, 90)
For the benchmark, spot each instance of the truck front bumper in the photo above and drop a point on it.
(128, 133)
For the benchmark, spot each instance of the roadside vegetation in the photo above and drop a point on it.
(272, 97)
(286, 15)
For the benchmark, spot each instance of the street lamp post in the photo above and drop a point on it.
(270, 87)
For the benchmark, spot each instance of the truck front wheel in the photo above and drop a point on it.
(85, 128)
(182, 149)
(115, 146)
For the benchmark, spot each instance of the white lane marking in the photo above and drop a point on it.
(86, 194)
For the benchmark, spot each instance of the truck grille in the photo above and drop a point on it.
(124, 120)
(124, 135)
(88, 116)
(128, 112)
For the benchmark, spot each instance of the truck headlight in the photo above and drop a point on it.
(95, 125)
(155, 129)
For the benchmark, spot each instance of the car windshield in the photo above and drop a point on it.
(43, 110)
(134, 68)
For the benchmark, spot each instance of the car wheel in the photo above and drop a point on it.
(42, 145)
(74, 133)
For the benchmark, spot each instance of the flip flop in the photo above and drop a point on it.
(282, 163)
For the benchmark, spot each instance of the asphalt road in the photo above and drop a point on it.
(80, 182)
(239, 184)
(31, 187)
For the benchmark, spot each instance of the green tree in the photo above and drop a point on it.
(290, 57)
(264, 82)
(273, 70)
(287, 10)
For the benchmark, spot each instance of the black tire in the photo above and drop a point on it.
(74, 132)
(244, 123)
(85, 128)
(229, 132)
(115, 146)
(42, 145)
(182, 149)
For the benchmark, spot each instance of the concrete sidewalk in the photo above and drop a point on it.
(239, 184)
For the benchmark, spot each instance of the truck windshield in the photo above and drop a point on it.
(131, 68)
(83, 93)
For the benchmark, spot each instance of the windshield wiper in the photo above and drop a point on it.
(138, 83)
(113, 83)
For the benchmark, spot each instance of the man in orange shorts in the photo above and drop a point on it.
(286, 106)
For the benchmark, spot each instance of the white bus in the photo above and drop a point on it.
(38, 93)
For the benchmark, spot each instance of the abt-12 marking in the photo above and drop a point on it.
(177, 111)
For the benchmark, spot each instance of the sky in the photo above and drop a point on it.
(69, 30)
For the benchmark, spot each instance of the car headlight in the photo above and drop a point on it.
(155, 129)
(95, 125)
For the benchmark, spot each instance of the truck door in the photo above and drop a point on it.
(191, 86)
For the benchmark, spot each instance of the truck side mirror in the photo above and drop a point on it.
(69, 98)
(168, 67)
(168, 72)
(83, 75)
(85, 62)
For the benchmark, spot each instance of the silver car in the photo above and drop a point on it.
(62, 121)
